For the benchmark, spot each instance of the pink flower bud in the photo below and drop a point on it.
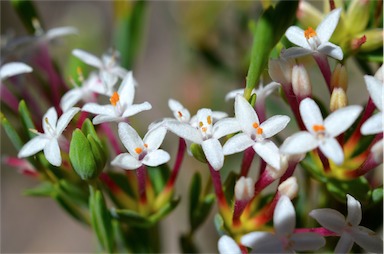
(244, 188)
(301, 83)
(289, 187)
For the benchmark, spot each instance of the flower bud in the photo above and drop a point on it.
(339, 77)
(377, 150)
(244, 188)
(308, 15)
(289, 187)
(338, 99)
(374, 39)
(277, 173)
(198, 153)
(280, 70)
(357, 16)
(301, 83)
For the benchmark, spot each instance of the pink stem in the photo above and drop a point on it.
(294, 104)
(238, 210)
(324, 67)
(247, 161)
(216, 180)
(8, 98)
(264, 180)
(320, 231)
(141, 173)
(176, 167)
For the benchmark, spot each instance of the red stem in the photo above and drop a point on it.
(177, 165)
(319, 231)
(216, 180)
(141, 173)
(324, 67)
(247, 161)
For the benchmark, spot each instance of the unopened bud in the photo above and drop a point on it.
(339, 77)
(244, 188)
(374, 39)
(280, 70)
(379, 74)
(308, 15)
(377, 150)
(289, 187)
(357, 16)
(296, 158)
(276, 173)
(301, 83)
(338, 99)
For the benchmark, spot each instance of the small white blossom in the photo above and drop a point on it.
(374, 124)
(227, 245)
(262, 92)
(121, 105)
(284, 239)
(12, 69)
(311, 41)
(321, 133)
(141, 151)
(48, 141)
(348, 228)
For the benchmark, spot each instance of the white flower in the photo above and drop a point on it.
(110, 71)
(206, 134)
(121, 104)
(48, 141)
(56, 32)
(321, 133)
(227, 245)
(348, 228)
(374, 124)
(284, 239)
(262, 92)
(141, 151)
(311, 41)
(12, 69)
(255, 134)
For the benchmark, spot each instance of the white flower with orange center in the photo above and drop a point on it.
(321, 133)
(255, 134)
(141, 151)
(315, 41)
(121, 105)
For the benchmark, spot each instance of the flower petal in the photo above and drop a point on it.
(296, 35)
(217, 115)
(332, 150)
(237, 143)
(154, 138)
(300, 142)
(126, 161)
(373, 125)
(51, 117)
(345, 243)
(131, 140)
(307, 241)
(295, 52)
(105, 119)
(375, 89)
(97, 109)
(310, 113)
(127, 89)
(136, 108)
(340, 120)
(331, 50)
(274, 125)
(87, 58)
(227, 245)
(175, 105)
(52, 152)
(70, 98)
(269, 152)
(354, 211)
(329, 218)
(156, 158)
(284, 217)
(234, 93)
(213, 152)
(33, 146)
(60, 31)
(12, 69)
(326, 28)
(65, 119)
(184, 131)
(262, 242)
(245, 114)
(225, 126)
(368, 240)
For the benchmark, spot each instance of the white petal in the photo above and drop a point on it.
(373, 125)
(70, 98)
(345, 243)
(60, 31)
(227, 245)
(326, 28)
(156, 158)
(237, 143)
(184, 131)
(126, 161)
(213, 152)
(368, 240)
(65, 119)
(375, 89)
(105, 119)
(354, 211)
(340, 120)
(155, 137)
(127, 89)
(108, 79)
(52, 152)
(264, 92)
(136, 108)
(262, 242)
(295, 52)
(269, 152)
(120, 72)
(329, 218)
(307, 241)
(310, 113)
(87, 58)
(175, 105)
(225, 126)
(33, 146)
(332, 150)
(131, 140)
(284, 217)
(97, 109)
(217, 115)
(296, 35)
(51, 117)
(12, 69)
(274, 125)
(245, 114)
(233, 94)
(332, 50)
(300, 142)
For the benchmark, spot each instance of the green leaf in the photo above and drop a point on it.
(11, 133)
(27, 13)
(377, 195)
(358, 188)
(45, 189)
(26, 119)
(159, 176)
(74, 192)
(164, 211)
(202, 211)
(131, 218)
(194, 197)
(219, 224)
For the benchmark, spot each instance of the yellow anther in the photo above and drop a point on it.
(255, 125)
(138, 150)
(201, 124)
(209, 120)
(114, 98)
(46, 120)
(259, 131)
(309, 33)
(318, 127)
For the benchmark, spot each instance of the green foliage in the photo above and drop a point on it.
(358, 188)
(27, 13)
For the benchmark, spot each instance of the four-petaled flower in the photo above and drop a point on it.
(348, 228)
(311, 41)
(255, 134)
(141, 151)
(374, 124)
(321, 133)
(49, 140)
(284, 239)
(121, 105)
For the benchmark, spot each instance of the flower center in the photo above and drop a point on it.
(205, 128)
(180, 114)
(309, 33)
(259, 130)
(114, 98)
(138, 150)
(312, 38)
(318, 128)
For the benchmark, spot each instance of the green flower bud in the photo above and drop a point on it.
(198, 152)
(374, 40)
(357, 16)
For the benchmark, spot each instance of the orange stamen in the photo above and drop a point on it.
(138, 150)
(255, 125)
(318, 127)
(309, 33)
(146, 145)
(204, 129)
(114, 98)
(180, 114)
(209, 120)
(259, 131)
